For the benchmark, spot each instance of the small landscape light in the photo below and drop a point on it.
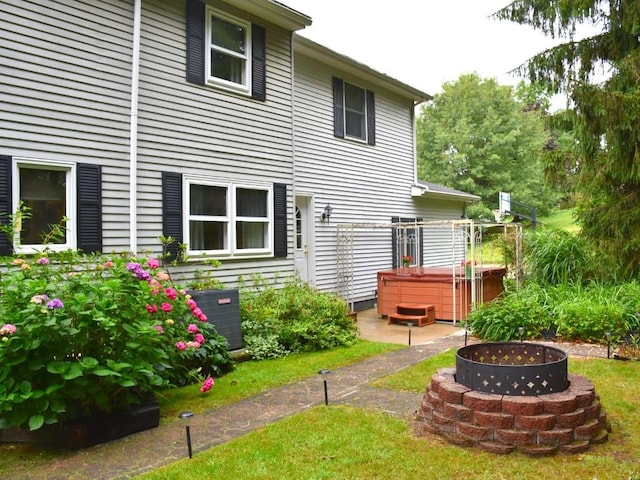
(186, 419)
(608, 337)
(324, 373)
(410, 325)
(466, 332)
(520, 332)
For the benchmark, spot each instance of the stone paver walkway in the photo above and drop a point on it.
(144, 451)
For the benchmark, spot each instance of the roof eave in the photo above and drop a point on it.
(314, 50)
(274, 12)
(424, 191)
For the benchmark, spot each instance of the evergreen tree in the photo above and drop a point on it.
(606, 115)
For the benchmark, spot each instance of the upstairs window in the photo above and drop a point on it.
(229, 51)
(225, 51)
(353, 112)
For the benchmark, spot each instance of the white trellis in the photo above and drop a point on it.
(411, 240)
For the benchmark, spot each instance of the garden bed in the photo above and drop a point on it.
(85, 432)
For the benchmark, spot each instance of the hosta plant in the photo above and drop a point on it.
(79, 336)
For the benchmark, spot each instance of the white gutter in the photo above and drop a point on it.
(133, 133)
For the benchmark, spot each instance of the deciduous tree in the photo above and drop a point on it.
(477, 137)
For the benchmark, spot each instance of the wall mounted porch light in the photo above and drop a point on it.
(326, 213)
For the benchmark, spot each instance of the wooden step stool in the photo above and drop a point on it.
(414, 312)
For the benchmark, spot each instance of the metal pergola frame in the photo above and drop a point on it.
(466, 240)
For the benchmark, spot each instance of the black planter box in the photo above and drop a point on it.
(85, 432)
(222, 308)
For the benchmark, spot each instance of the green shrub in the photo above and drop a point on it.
(628, 295)
(555, 257)
(587, 320)
(575, 312)
(479, 212)
(81, 335)
(499, 320)
(293, 318)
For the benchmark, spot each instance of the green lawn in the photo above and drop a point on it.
(247, 379)
(560, 219)
(339, 442)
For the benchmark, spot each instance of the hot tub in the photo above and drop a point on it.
(435, 286)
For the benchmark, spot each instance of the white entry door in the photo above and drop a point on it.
(302, 254)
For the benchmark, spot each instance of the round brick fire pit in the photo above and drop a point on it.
(515, 400)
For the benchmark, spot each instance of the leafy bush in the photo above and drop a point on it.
(587, 321)
(499, 321)
(573, 312)
(84, 335)
(294, 318)
(479, 212)
(555, 257)
(628, 295)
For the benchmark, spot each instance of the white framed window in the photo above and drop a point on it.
(47, 189)
(228, 219)
(228, 54)
(355, 112)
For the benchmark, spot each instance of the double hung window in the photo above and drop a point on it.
(354, 113)
(229, 51)
(229, 219)
(225, 51)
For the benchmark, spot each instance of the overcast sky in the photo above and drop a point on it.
(423, 43)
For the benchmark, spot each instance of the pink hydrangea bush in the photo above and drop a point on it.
(83, 335)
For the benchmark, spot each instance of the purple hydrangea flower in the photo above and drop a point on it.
(55, 303)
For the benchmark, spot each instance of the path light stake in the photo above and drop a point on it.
(520, 332)
(410, 325)
(186, 418)
(466, 332)
(324, 374)
(608, 336)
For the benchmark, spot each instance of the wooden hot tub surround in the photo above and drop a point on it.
(435, 286)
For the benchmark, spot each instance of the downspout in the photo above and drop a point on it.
(133, 132)
(416, 103)
(415, 142)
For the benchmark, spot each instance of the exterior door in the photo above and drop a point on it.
(301, 242)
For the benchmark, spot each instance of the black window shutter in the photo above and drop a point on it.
(6, 243)
(172, 211)
(196, 32)
(338, 107)
(89, 207)
(280, 220)
(371, 118)
(394, 243)
(258, 62)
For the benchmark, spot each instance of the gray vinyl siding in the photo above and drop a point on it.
(208, 132)
(364, 184)
(65, 81)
